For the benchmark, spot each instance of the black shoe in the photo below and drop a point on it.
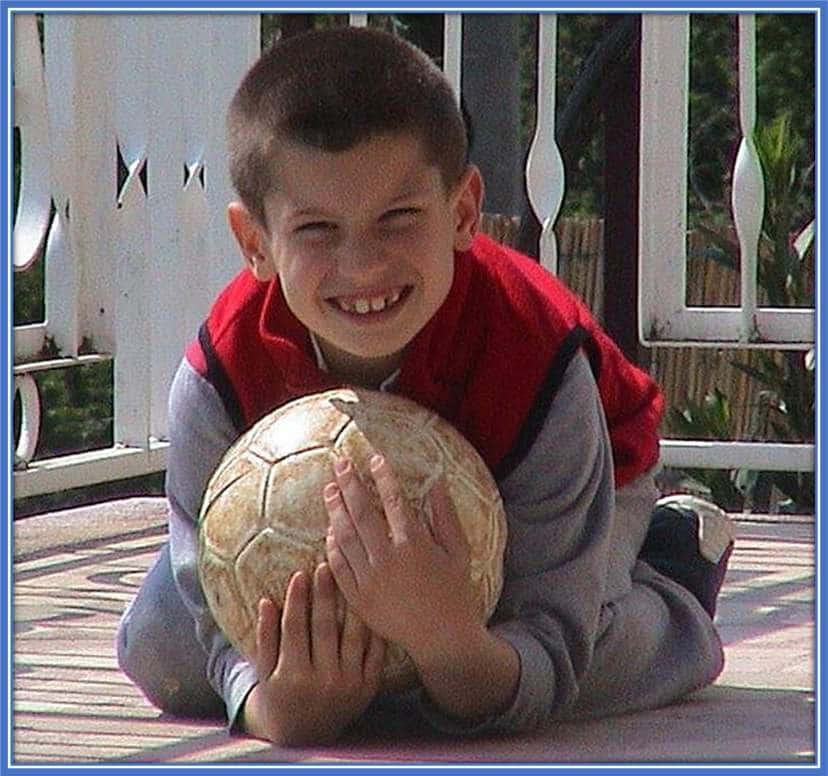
(690, 540)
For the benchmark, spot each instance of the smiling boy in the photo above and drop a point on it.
(362, 242)
(357, 218)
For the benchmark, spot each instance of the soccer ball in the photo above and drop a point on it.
(263, 516)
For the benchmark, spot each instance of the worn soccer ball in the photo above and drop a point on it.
(263, 517)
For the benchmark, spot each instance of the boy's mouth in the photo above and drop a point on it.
(373, 304)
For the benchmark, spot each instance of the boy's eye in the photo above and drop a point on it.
(314, 227)
(400, 216)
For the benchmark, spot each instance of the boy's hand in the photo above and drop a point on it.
(409, 583)
(315, 677)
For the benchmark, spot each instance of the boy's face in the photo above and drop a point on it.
(363, 243)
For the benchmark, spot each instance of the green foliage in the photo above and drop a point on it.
(786, 178)
(786, 73)
(28, 295)
(782, 269)
(578, 35)
(786, 399)
(269, 30)
(709, 419)
(77, 409)
(712, 110)
(784, 411)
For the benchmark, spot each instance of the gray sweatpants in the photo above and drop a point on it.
(158, 650)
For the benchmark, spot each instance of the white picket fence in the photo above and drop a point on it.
(132, 269)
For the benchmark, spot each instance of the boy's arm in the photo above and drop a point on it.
(559, 505)
(200, 434)
(596, 633)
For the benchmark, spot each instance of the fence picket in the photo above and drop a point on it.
(31, 117)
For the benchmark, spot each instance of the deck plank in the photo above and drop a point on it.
(72, 705)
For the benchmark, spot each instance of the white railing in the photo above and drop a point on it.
(664, 316)
(545, 175)
(132, 270)
(129, 270)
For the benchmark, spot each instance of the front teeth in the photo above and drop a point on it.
(364, 306)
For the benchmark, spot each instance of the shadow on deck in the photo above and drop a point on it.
(75, 571)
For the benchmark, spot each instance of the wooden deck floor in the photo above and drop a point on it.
(74, 573)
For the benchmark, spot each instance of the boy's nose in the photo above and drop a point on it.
(361, 259)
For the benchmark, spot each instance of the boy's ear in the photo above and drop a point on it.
(468, 202)
(252, 241)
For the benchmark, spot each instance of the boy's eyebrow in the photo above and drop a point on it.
(413, 185)
(310, 210)
(411, 188)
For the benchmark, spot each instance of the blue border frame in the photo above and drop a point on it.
(607, 6)
(469, 6)
(821, 210)
(5, 417)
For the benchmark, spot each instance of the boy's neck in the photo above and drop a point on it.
(362, 372)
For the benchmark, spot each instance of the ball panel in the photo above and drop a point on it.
(264, 568)
(309, 424)
(480, 520)
(356, 444)
(232, 516)
(471, 468)
(411, 453)
(293, 498)
(363, 406)
(231, 611)
(232, 468)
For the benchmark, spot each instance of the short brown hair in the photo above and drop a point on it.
(331, 89)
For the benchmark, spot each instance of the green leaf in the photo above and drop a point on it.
(746, 480)
(750, 371)
(797, 486)
(804, 240)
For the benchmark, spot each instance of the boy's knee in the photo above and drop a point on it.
(139, 661)
(157, 649)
